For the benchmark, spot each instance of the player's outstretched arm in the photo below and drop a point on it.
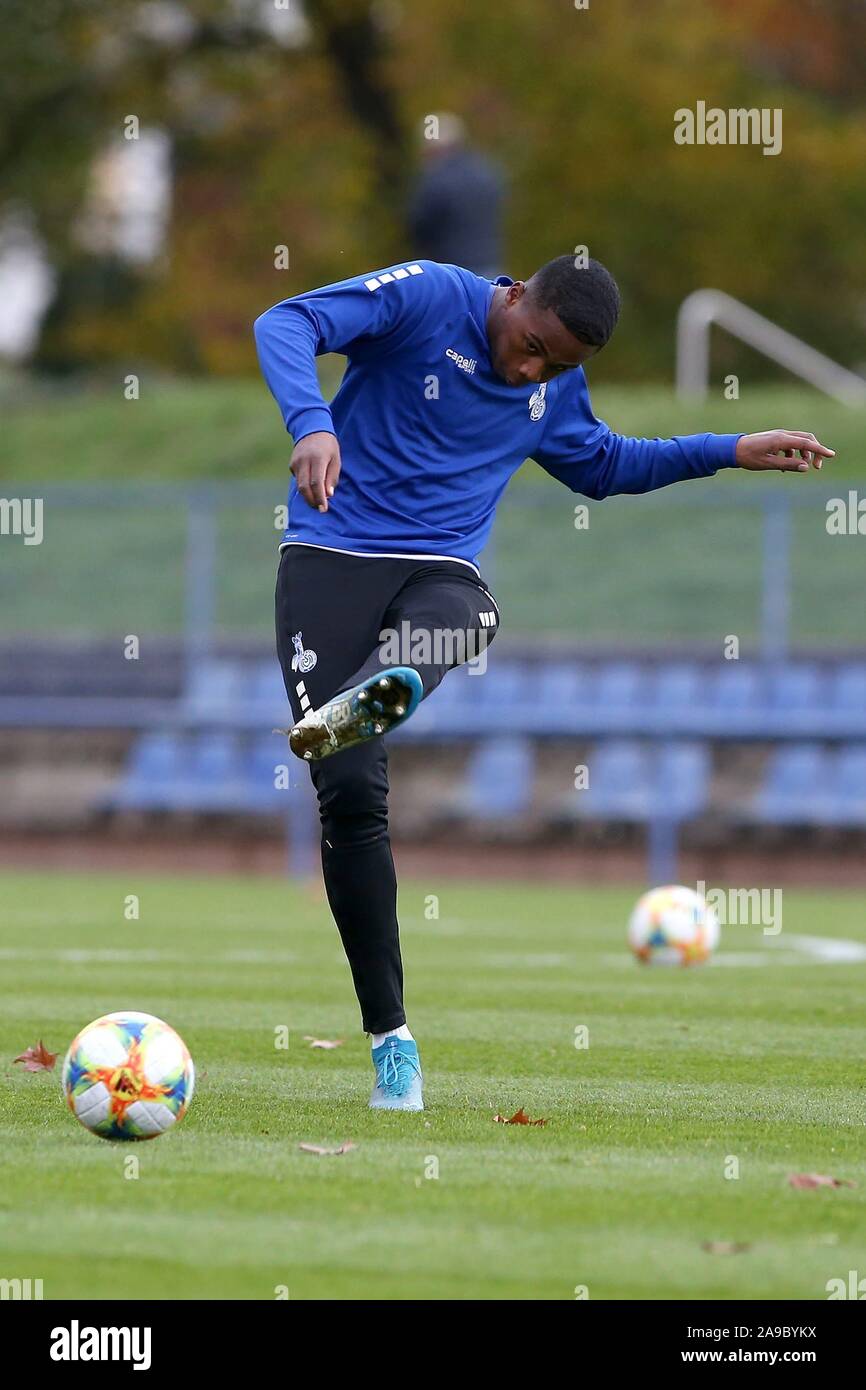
(786, 451)
(589, 457)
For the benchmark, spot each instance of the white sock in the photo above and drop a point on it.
(402, 1032)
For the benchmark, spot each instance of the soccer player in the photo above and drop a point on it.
(452, 382)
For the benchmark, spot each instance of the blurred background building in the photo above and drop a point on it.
(170, 169)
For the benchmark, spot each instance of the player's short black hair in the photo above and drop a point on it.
(585, 299)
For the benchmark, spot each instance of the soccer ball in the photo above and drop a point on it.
(128, 1076)
(673, 926)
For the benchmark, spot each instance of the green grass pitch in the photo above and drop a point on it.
(759, 1060)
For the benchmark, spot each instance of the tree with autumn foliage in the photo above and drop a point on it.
(307, 142)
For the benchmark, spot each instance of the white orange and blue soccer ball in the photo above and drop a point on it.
(128, 1076)
(673, 926)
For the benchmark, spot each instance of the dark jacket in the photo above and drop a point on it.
(455, 212)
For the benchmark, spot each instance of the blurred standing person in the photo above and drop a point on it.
(456, 206)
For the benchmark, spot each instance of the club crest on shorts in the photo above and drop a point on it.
(537, 403)
(304, 659)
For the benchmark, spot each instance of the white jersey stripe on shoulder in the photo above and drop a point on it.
(386, 277)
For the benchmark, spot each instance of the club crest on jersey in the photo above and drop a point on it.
(537, 403)
(304, 659)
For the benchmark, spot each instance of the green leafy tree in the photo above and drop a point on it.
(306, 145)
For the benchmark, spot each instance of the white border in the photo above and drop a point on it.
(385, 555)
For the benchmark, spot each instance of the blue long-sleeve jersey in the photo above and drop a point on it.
(429, 434)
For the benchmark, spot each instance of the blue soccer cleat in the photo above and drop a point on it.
(376, 706)
(398, 1076)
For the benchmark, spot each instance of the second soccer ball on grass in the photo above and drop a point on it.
(673, 925)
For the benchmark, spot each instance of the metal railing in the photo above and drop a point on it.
(683, 567)
(700, 310)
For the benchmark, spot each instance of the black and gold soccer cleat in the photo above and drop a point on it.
(375, 707)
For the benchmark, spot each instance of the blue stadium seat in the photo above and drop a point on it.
(677, 697)
(848, 688)
(215, 758)
(794, 687)
(796, 696)
(635, 781)
(619, 783)
(567, 694)
(617, 699)
(844, 712)
(267, 754)
(262, 701)
(214, 780)
(683, 777)
(796, 788)
(213, 694)
(263, 687)
(156, 756)
(567, 682)
(619, 685)
(213, 772)
(499, 779)
(498, 699)
(678, 684)
(848, 786)
(448, 713)
(737, 685)
(148, 783)
(736, 698)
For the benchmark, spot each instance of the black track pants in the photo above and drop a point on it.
(331, 609)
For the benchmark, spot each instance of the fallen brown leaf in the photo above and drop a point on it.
(818, 1180)
(38, 1058)
(322, 1153)
(725, 1247)
(326, 1043)
(520, 1117)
